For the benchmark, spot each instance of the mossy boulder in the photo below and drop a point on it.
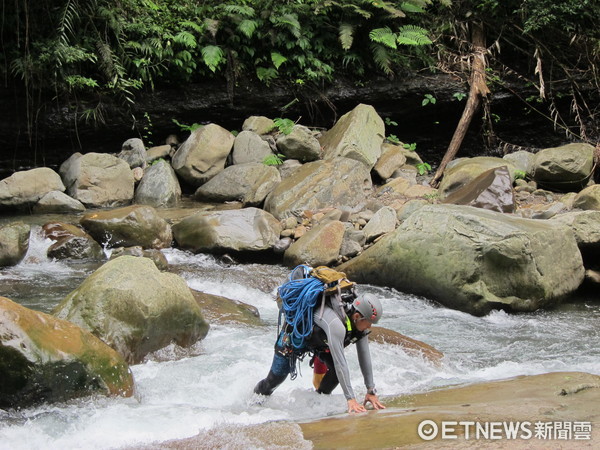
(474, 260)
(135, 308)
(14, 243)
(43, 358)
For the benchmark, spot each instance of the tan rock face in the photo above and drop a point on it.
(98, 179)
(547, 398)
(319, 246)
(54, 360)
(203, 154)
(320, 184)
(357, 135)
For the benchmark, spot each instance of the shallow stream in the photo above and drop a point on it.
(182, 393)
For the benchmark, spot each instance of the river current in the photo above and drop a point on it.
(209, 387)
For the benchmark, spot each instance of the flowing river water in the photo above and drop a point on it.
(208, 389)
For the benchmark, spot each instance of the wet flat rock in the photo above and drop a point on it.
(548, 398)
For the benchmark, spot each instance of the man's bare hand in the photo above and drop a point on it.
(374, 400)
(355, 407)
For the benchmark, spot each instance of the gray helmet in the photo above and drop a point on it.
(369, 307)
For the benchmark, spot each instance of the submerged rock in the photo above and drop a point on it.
(43, 358)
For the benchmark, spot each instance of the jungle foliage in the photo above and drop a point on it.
(99, 49)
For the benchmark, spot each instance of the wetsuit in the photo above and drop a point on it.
(329, 338)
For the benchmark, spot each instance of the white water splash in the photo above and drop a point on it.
(212, 390)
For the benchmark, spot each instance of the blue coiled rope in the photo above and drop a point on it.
(299, 298)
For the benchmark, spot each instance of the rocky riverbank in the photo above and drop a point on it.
(517, 233)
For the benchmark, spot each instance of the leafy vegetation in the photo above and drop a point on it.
(100, 50)
(284, 126)
(273, 160)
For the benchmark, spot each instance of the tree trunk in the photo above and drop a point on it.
(478, 90)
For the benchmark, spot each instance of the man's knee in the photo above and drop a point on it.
(269, 384)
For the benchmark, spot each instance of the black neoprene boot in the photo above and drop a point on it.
(269, 384)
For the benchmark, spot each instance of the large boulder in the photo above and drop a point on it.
(128, 226)
(47, 359)
(14, 243)
(203, 154)
(24, 189)
(248, 229)
(464, 170)
(320, 184)
(159, 187)
(320, 246)
(588, 199)
(300, 144)
(135, 308)
(249, 183)
(474, 260)
(491, 190)
(249, 147)
(98, 179)
(357, 135)
(565, 168)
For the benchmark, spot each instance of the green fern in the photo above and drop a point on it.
(382, 58)
(383, 36)
(212, 56)
(247, 27)
(346, 34)
(290, 22)
(413, 35)
(198, 28)
(186, 39)
(242, 10)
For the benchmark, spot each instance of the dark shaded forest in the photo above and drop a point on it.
(88, 73)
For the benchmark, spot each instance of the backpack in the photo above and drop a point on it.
(299, 297)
